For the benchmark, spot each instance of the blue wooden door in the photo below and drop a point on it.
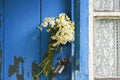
(22, 45)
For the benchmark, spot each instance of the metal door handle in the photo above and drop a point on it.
(61, 65)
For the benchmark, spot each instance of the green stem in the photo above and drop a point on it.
(46, 63)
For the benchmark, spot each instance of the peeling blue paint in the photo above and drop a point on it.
(17, 68)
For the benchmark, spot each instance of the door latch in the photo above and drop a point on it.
(61, 65)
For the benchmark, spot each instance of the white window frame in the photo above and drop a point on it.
(92, 15)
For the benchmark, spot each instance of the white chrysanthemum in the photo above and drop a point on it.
(52, 23)
(57, 21)
(45, 24)
(65, 28)
(47, 19)
(64, 35)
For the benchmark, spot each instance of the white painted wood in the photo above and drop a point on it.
(107, 14)
(91, 71)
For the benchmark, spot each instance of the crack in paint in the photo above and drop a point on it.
(15, 68)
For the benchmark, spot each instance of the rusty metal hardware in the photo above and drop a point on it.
(61, 65)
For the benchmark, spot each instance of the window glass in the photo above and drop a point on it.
(108, 5)
(107, 48)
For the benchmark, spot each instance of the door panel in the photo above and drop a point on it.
(51, 9)
(21, 38)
